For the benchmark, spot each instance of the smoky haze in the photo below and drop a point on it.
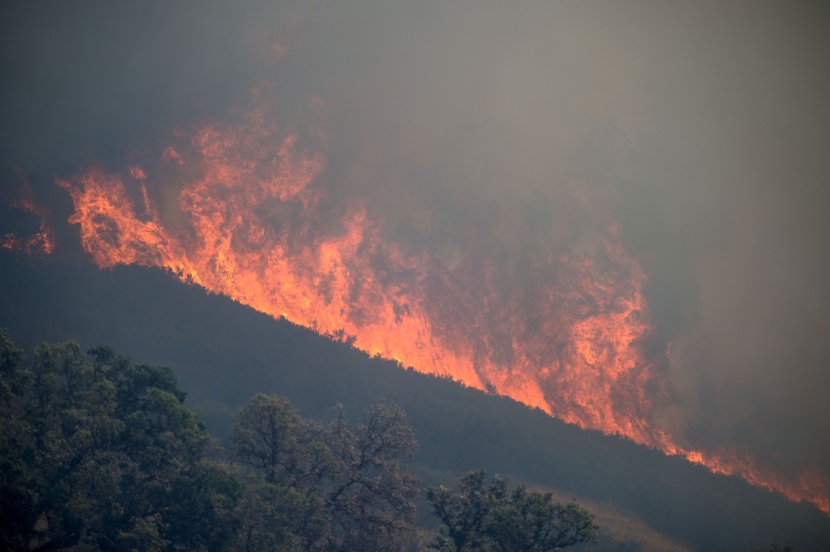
(475, 127)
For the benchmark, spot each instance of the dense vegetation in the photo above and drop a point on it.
(98, 453)
(489, 517)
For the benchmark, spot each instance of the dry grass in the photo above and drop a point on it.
(624, 529)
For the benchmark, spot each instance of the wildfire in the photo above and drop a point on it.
(41, 242)
(254, 228)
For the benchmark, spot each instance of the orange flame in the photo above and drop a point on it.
(43, 241)
(254, 229)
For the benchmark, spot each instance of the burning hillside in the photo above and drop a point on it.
(561, 324)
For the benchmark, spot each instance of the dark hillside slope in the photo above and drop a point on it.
(224, 353)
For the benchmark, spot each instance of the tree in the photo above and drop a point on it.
(372, 504)
(99, 454)
(531, 521)
(464, 515)
(774, 547)
(487, 517)
(287, 458)
(351, 493)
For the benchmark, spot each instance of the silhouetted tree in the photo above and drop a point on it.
(465, 514)
(531, 521)
(488, 517)
(353, 496)
(98, 454)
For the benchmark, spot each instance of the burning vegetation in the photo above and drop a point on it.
(251, 221)
(39, 242)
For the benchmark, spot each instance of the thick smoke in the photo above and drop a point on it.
(477, 128)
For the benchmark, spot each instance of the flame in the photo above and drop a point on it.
(253, 226)
(43, 241)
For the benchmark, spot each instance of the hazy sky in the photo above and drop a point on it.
(701, 128)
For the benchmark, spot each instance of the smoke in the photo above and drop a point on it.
(695, 134)
(736, 221)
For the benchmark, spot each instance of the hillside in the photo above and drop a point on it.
(223, 353)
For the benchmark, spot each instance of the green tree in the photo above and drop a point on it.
(100, 454)
(531, 521)
(345, 481)
(488, 517)
(271, 515)
(465, 514)
(286, 459)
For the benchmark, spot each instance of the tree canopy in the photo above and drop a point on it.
(488, 517)
(345, 481)
(99, 454)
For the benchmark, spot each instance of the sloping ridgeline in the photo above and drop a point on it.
(223, 353)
